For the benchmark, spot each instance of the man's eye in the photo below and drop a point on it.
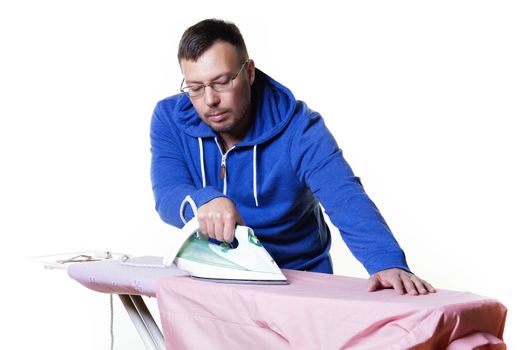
(195, 88)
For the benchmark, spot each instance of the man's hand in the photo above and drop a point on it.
(402, 282)
(217, 219)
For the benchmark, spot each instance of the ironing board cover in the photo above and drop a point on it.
(319, 311)
(134, 276)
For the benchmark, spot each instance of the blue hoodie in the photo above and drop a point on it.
(286, 166)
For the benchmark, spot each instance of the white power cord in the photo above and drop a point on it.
(112, 337)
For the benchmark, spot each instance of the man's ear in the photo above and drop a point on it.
(251, 71)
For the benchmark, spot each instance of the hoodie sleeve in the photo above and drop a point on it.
(171, 178)
(320, 165)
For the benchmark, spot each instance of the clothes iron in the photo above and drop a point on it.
(248, 262)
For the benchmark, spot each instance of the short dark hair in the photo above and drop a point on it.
(201, 36)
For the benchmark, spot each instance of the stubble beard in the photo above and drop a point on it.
(233, 126)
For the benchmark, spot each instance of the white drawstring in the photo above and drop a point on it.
(187, 200)
(255, 175)
(203, 173)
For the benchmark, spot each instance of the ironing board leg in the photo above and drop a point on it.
(149, 321)
(143, 321)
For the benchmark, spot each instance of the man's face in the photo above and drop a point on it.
(225, 112)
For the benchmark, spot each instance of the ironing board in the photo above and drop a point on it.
(315, 311)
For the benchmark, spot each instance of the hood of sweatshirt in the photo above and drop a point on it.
(269, 99)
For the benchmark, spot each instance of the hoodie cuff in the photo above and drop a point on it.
(387, 261)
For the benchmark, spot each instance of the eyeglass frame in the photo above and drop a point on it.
(212, 84)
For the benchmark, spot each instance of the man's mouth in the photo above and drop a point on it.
(216, 116)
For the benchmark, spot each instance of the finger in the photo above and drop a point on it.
(420, 285)
(373, 283)
(238, 219)
(408, 284)
(218, 227)
(429, 287)
(398, 285)
(203, 224)
(229, 227)
(210, 227)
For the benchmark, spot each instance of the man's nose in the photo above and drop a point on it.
(211, 97)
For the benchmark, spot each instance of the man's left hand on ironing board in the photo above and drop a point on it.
(402, 282)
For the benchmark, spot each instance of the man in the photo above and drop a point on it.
(240, 149)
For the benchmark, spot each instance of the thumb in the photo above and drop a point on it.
(373, 283)
(239, 219)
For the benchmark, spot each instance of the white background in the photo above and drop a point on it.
(424, 98)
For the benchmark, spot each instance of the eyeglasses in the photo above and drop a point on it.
(221, 85)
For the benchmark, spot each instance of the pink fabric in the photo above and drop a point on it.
(319, 311)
